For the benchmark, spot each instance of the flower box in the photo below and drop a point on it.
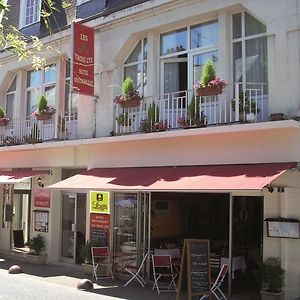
(209, 91)
(132, 102)
(4, 121)
(43, 116)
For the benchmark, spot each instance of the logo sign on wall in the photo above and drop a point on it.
(82, 62)
(99, 202)
(42, 198)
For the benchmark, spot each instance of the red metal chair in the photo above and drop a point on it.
(102, 260)
(215, 288)
(163, 268)
(135, 272)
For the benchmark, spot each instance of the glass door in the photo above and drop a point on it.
(73, 226)
(173, 85)
(145, 225)
(68, 227)
(20, 224)
(132, 224)
(125, 224)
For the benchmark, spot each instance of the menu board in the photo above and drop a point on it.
(199, 266)
(99, 237)
(99, 228)
(196, 257)
(283, 229)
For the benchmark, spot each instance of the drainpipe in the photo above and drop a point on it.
(95, 98)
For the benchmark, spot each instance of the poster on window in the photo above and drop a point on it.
(82, 61)
(99, 202)
(41, 219)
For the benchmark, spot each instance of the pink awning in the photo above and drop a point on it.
(8, 177)
(212, 177)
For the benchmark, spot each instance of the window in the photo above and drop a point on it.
(136, 66)
(38, 83)
(249, 49)
(10, 98)
(74, 103)
(174, 41)
(31, 10)
(184, 51)
(204, 35)
(125, 222)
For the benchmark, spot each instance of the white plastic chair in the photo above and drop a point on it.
(163, 268)
(101, 258)
(215, 288)
(135, 272)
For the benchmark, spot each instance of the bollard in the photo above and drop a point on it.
(15, 269)
(85, 284)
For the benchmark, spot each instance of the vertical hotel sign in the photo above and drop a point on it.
(82, 64)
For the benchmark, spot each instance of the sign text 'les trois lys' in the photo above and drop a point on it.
(83, 59)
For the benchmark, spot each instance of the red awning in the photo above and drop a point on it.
(212, 177)
(19, 175)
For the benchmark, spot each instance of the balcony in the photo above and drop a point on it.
(31, 131)
(184, 110)
(172, 111)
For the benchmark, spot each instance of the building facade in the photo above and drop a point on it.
(162, 45)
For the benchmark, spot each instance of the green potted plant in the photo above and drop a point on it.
(36, 245)
(196, 118)
(130, 97)
(123, 119)
(272, 279)
(86, 258)
(148, 124)
(209, 84)
(43, 111)
(247, 107)
(3, 118)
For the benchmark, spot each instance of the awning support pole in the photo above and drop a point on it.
(230, 243)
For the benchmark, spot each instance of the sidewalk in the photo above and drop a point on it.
(69, 275)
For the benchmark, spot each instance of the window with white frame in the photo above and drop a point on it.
(184, 51)
(249, 49)
(136, 66)
(73, 103)
(40, 82)
(30, 12)
(10, 99)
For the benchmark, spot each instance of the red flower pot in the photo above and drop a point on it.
(4, 121)
(209, 91)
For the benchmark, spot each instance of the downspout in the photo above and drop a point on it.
(95, 98)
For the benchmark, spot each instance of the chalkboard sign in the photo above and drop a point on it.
(99, 237)
(196, 256)
(199, 263)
